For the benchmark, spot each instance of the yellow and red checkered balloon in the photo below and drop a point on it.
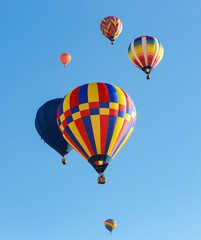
(97, 119)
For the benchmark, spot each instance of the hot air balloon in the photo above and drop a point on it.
(111, 28)
(110, 224)
(97, 119)
(145, 53)
(46, 126)
(65, 58)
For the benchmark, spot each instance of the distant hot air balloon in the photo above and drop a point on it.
(97, 119)
(111, 28)
(65, 58)
(145, 53)
(110, 224)
(47, 128)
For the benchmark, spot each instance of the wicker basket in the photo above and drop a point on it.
(101, 180)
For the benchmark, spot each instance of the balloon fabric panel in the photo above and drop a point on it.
(94, 119)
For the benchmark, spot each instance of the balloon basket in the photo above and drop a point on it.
(64, 161)
(148, 77)
(101, 180)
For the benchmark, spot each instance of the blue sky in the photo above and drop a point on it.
(153, 184)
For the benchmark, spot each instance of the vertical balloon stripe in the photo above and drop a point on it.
(86, 120)
(76, 133)
(66, 103)
(74, 98)
(69, 136)
(69, 140)
(83, 96)
(95, 120)
(80, 126)
(104, 117)
(113, 96)
(129, 127)
(128, 100)
(151, 50)
(103, 92)
(93, 95)
(121, 96)
(121, 134)
(122, 142)
(88, 126)
(78, 97)
(120, 120)
(139, 50)
(125, 125)
(119, 123)
(144, 46)
(132, 58)
(125, 140)
(155, 52)
(104, 120)
(136, 55)
(110, 130)
(75, 129)
(159, 56)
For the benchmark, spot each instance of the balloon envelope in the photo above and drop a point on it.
(97, 119)
(145, 53)
(110, 224)
(46, 126)
(111, 27)
(65, 58)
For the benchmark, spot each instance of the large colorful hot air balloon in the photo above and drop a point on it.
(97, 119)
(47, 128)
(65, 58)
(145, 53)
(111, 28)
(110, 224)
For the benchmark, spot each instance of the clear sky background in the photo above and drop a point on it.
(153, 187)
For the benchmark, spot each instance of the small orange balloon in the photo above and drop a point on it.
(65, 58)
